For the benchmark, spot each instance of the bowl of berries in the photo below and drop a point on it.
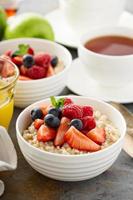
(70, 138)
(43, 66)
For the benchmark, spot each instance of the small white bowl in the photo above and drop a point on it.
(28, 92)
(72, 167)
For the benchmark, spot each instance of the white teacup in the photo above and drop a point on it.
(107, 70)
(8, 156)
(82, 15)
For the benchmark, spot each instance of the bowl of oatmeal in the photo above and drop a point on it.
(43, 67)
(70, 138)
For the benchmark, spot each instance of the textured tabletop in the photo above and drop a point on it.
(26, 184)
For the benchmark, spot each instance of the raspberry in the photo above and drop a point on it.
(30, 51)
(68, 101)
(72, 111)
(88, 123)
(42, 59)
(87, 111)
(36, 72)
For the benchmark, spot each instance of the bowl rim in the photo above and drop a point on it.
(64, 49)
(19, 135)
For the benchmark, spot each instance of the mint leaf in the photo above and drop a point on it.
(53, 101)
(60, 102)
(57, 103)
(22, 50)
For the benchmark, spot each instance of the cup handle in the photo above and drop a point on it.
(9, 156)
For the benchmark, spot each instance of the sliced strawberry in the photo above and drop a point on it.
(98, 135)
(63, 128)
(18, 60)
(72, 111)
(30, 51)
(88, 123)
(45, 134)
(8, 53)
(7, 70)
(50, 71)
(67, 101)
(45, 109)
(23, 70)
(79, 141)
(38, 123)
(87, 111)
(24, 78)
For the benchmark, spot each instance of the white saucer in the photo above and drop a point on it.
(80, 83)
(64, 34)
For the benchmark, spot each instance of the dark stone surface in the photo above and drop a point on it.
(26, 184)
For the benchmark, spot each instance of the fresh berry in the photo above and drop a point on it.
(18, 60)
(55, 111)
(50, 71)
(36, 114)
(72, 111)
(42, 59)
(54, 61)
(45, 134)
(24, 78)
(23, 70)
(7, 70)
(63, 128)
(38, 123)
(52, 121)
(36, 72)
(77, 123)
(98, 135)
(88, 123)
(79, 141)
(67, 101)
(28, 60)
(8, 53)
(30, 51)
(87, 111)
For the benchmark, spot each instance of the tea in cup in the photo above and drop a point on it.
(107, 55)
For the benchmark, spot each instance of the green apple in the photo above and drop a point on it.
(3, 21)
(29, 25)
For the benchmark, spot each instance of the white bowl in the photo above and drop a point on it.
(72, 167)
(28, 92)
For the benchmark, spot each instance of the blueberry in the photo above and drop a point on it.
(52, 121)
(54, 61)
(77, 123)
(55, 111)
(36, 114)
(28, 60)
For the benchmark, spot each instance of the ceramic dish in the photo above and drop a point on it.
(72, 167)
(66, 36)
(89, 87)
(28, 92)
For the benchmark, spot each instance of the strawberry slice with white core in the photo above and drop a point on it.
(79, 141)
